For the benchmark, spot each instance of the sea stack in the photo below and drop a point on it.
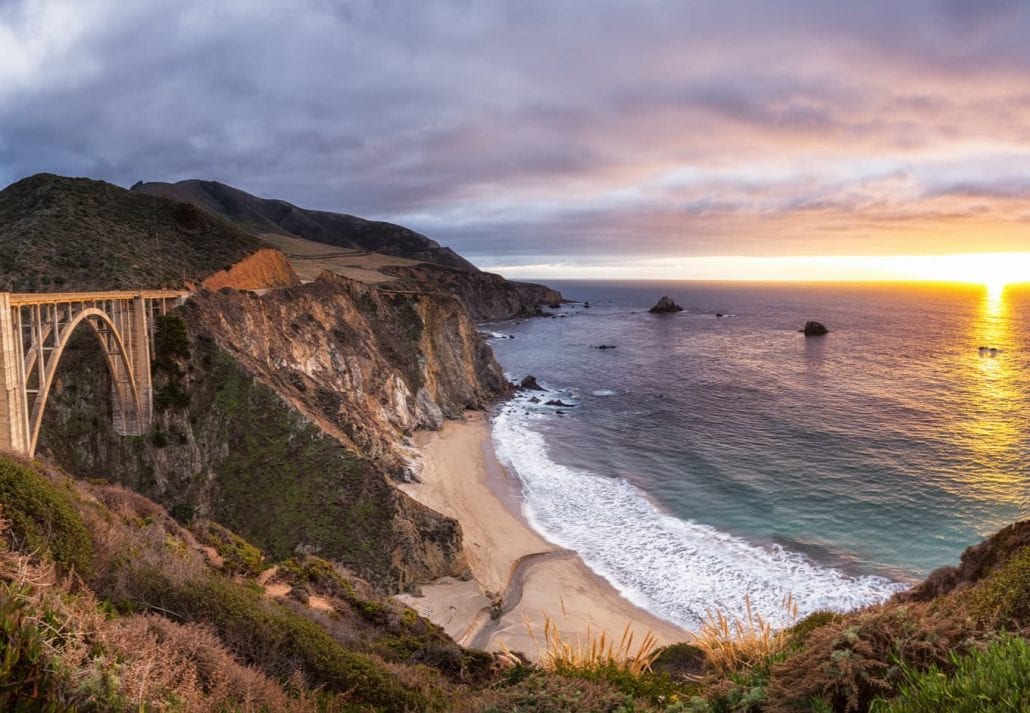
(530, 383)
(665, 306)
(814, 329)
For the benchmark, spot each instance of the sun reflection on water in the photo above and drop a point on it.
(991, 422)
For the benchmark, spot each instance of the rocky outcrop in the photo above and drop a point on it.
(530, 383)
(665, 306)
(284, 417)
(976, 564)
(814, 329)
(267, 268)
(485, 295)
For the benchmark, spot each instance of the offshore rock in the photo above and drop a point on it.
(814, 329)
(665, 306)
(530, 383)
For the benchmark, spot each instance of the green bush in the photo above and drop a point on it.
(43, 517)
(996, 680)
(240, 556)
(26, 684)
(1003, 598)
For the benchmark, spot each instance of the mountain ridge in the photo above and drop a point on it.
(272, 215)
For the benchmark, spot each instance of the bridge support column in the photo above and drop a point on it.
(14, 414)
(141, 356)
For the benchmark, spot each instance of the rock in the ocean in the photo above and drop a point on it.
(664, 306)
(605, 346)
(558, 402)
(529, 382)
(814, 329)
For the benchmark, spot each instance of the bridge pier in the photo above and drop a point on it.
(14, 414)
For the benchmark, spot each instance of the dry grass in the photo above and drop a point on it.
(731, 643)
(596, 651)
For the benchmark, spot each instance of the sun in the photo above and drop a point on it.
(993, 270)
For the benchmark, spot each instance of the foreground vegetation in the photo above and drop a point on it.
(107, 603)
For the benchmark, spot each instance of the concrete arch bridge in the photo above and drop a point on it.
(35, 328)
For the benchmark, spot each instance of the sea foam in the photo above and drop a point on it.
(677, 569)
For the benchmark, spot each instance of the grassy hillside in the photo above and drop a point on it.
(265, 215)
(61, 234)
(107, 603)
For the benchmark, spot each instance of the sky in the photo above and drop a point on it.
(550, 138)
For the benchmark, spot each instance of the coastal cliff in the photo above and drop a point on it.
(485, 295)
(285, 416)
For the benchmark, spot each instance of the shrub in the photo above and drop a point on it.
(43, 517)
(540, 692)
(26, 684)
(995, 680)
(240, 556)
(1002, 599)
(851, 662)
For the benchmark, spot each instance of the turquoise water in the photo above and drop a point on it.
(708, 457)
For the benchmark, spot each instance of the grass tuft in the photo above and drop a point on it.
(731, 643)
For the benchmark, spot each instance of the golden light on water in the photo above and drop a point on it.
(991, 423)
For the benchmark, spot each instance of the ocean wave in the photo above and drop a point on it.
(604, 392)
(677, 569)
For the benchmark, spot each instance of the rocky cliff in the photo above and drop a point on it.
(284, 416)
(485, 295)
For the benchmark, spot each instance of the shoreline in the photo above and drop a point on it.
(515, 570)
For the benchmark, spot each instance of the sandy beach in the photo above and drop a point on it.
(513, 566)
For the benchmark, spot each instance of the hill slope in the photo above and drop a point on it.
(62, 234)
(269, 215)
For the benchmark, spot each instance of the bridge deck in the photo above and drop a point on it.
(40, 298)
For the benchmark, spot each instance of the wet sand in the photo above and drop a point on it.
(515, 570)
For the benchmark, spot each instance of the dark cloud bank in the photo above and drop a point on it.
(529, 132)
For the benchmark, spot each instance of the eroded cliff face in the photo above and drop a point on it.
(266, 268)
(369, 367)
(284, 416)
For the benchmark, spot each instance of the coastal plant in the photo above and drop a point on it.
(595, 650)
(733, 643)
(625, 662)
(852, 662)
(994, 680)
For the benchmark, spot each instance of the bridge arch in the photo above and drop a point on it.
(125, 393)
(35, 330)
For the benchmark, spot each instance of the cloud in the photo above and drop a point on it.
(515, 131)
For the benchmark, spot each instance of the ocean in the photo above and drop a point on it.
(709, 461)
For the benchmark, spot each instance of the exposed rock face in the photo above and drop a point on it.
(485, 295)
(285, 416)
(814, 329)
(665, 306)
(266, 268)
